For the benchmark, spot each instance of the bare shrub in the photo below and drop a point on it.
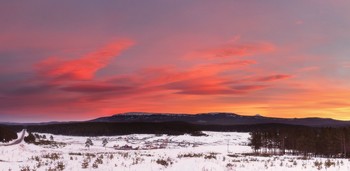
(37, 158)
(230, 165)
(52, 156)
(95, 165)
(295, 163)
(124, 155)
(318, 165)
(137, 160)
(85, 164)
(99, 161)
(25, 168)
(111, 156)
(60, 166)
(164, 162)
(328, 163)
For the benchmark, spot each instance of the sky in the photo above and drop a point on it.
(78, 60)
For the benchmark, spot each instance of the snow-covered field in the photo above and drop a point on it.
(217, 151)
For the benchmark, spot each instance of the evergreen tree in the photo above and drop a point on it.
(30, 138)
(104, 142)
(88, 143)
(255, 141)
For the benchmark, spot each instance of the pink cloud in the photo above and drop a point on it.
(212, 86)
(95, 88)
(233, 50)
(247, 88)
(168, 75)
(83, 68)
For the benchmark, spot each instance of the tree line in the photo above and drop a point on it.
(301, 140)
(112, 128)
(7, 135)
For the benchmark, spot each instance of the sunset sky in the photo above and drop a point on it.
(77, 60)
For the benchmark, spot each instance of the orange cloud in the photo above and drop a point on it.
(200, 79)
(246, 88)
(225, 85)
(168, 74)
(212, 86)
(85, 67)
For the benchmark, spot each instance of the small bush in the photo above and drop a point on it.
(52, 156)
(111, 156)
(29, 139)
(25, 168)
(210, 156)
(99, 161)
(295, 163)
(318, 165)
(37, 158)
(328, 163)
(137, 160)
(85, 164)
(164, 163)
(90, 155)
(229, 165)
(60, 166)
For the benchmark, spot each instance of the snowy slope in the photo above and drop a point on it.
(217, 151)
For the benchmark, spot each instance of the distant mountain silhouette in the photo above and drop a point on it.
(175, 124)
(219, 118)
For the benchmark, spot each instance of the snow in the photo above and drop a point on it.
(217, 151)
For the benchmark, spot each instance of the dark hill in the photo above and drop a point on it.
(111, 128)
(125, 128)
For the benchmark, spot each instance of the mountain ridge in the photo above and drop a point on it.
(219, 118)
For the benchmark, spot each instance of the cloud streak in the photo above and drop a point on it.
(232, 50)
(83, 68)
(73, 83)
(274, 78)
